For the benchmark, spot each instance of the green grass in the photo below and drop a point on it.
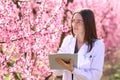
(112, 70)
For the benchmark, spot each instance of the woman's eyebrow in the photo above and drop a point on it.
(79, 19)
(76, 19)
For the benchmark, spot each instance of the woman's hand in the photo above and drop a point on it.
(68, 66)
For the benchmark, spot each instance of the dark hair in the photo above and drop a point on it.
(89, 25)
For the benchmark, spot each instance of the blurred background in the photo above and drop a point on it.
(30, 30)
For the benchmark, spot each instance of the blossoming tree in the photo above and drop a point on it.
(29, 31)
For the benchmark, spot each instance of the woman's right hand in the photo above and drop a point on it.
(68, 66)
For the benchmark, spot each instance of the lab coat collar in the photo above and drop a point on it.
(82, 50)
(72, 44)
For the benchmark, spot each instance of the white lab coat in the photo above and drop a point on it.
(88, 68)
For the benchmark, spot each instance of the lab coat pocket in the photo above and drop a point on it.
(87, 61)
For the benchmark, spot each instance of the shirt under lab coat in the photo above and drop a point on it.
(90, 64)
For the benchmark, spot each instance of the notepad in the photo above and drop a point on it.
(66, 57)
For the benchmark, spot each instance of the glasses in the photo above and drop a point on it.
(77, 21)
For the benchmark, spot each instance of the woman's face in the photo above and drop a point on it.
(78, 25)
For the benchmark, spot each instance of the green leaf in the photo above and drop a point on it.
(7, 77)
(10, 64)
(17, 75)
(3, 48)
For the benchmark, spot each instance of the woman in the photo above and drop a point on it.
(85, 43)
